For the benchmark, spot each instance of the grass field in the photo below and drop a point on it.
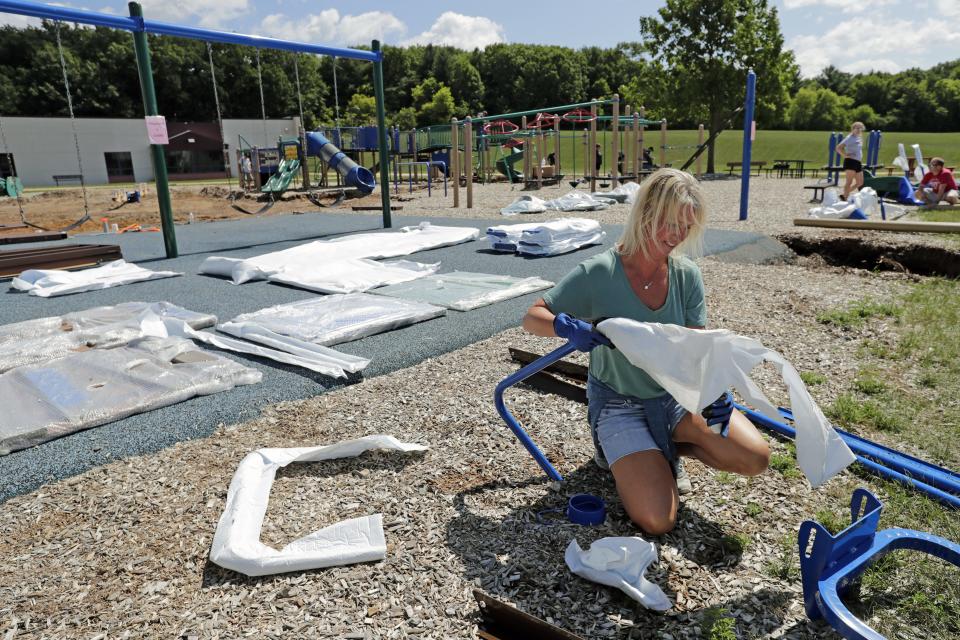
(768, 146)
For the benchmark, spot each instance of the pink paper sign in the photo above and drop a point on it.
(157, 129)
(753, 130)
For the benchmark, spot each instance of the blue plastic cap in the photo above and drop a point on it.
(586, 509)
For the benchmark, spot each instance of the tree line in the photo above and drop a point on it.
(689, 66)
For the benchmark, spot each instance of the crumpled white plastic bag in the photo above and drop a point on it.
(524, 204)
(697, 366)
(236, 543)
(621, 563)
(866, 200)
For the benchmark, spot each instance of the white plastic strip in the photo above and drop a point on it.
(302, 354)
(236, 543)
(47, 283)
(387, 244)
(353, 275)
(697, 366)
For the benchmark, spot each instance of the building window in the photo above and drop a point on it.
(119, 166)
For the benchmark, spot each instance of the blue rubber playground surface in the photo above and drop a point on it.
(25, 470)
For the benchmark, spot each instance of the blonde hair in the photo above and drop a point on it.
(857, 125)
(663, 198)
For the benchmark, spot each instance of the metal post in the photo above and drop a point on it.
(747, 143)
(700, 156)
(455, 161)
(468, 157)
(156, 151)
(592, 145)
(615, 149)
(382, 134)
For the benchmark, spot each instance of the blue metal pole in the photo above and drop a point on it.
(519, 376)
(38, 10)
(747, 143)
(898, 468)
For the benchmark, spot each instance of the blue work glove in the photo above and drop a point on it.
(718, 414)
(580, 333)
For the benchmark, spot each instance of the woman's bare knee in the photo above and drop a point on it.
(653, 523)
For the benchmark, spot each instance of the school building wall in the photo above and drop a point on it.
(44, 147)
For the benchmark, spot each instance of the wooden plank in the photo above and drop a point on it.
(376, 208)
(14, 262)
(878, 225)
(43, 236)
(503, 622)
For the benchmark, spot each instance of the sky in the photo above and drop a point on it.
(853, 35)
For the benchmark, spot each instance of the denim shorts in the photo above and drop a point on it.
(620, 427)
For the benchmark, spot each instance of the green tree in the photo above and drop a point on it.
(708, 46)
(405, 119)
(816, 109)
(361, 111)
(434, 103)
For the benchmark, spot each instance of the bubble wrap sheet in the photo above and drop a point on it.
(329, 320)
(44, 339)
(462, 290)
(83, 390)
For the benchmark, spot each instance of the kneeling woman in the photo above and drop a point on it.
(639, 430)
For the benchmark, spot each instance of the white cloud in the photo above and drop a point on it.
(845, 6)
(464, 32)
(207, 13)
(18, 21)
(948, 8)
(330, 28)
(861, 44)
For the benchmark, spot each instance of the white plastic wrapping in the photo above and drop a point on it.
(289, 350)
(546, 238)
(236, 543)
(919, 168)
(386, 244)
(353, 275)
(47, 283)
(697, 366)
(329, 320)
(463, 291)
(44, 339)
(865, 200)
(83, 390)
(621, 563)
(578, 201)
(524, 204)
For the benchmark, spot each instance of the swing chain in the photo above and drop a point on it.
(216, 101)
(263, 104)
(73, 121)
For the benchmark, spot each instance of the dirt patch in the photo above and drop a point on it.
(875, 254)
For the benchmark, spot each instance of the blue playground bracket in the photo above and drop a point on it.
(516, 378)
(829, 564)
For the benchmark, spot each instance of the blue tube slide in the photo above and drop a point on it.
(353, 174)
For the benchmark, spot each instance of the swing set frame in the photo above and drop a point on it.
(140, 27)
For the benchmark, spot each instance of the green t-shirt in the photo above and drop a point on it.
(598, 288)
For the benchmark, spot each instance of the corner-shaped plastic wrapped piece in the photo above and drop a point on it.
(236, 543)
(463, 291)
(92, 388)
(546, 238)
(329, 320)
(47, 283)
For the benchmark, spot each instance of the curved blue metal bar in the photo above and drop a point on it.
(69, 14)
(521, 375)
(888, 467)
(829, 564)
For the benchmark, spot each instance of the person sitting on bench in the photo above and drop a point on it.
(937, 185)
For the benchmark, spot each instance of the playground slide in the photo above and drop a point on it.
(353, 174)
(280, 181)
(513, 158)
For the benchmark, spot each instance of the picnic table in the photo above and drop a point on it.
(789, 168)
(758, 166)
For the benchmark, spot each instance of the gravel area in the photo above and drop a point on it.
(123, 548)
(774, 203)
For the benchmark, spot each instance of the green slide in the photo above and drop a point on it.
(280, 181)
(505, 165)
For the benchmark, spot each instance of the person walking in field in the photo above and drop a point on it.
(851, 148)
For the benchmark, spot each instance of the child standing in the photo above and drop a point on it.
(852, 149)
